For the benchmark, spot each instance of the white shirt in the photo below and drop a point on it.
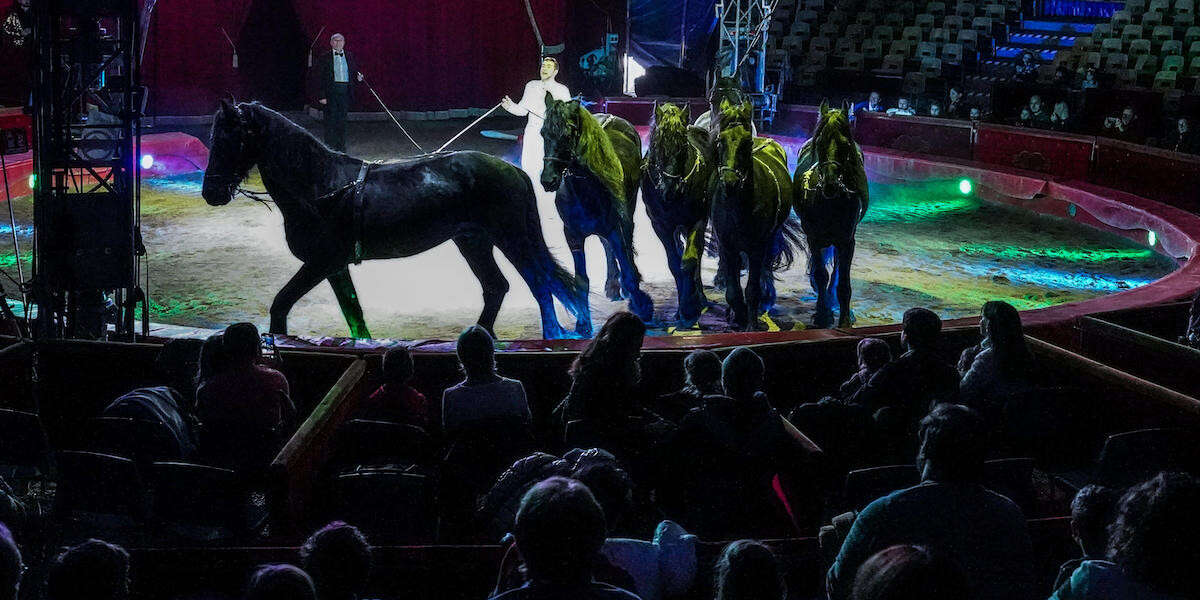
(341, 72)
(533, 100)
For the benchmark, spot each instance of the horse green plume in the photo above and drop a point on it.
(592, 145)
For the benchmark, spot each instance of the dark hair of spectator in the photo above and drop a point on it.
(93, 570)
(559, 531)
(921, 328)
(748, 570)
(476, 353)
(397, 365)
(873, 353)
(214, 360)
(280, 582)
(11, 566)
(903, 572)
(1091, 514)
(1006, 337)
(702, 368)
(609, 484)
(1154, 536)
(610, 360)
(953, 444)
(242, 343)
(742, 373)
(178, 363)
(338, 558)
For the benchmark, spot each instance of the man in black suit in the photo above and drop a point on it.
(338, 75)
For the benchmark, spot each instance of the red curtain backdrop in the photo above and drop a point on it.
(437, 55)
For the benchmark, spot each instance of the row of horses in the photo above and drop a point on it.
(722, 176)
(339, 210)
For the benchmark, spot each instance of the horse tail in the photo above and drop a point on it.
(788, 241)
(543, 268)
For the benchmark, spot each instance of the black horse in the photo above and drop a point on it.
(339, 210)
(594, 165)
(751, 208)
(675, 188)
(831, 198)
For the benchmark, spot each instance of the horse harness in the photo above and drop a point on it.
(357, 209)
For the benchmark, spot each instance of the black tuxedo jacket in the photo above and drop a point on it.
(324, 73)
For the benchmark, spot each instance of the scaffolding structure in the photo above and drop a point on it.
(742, 51)
(88, 102)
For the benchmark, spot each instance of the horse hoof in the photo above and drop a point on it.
(613, 291)
(824, 321)
(848, 319)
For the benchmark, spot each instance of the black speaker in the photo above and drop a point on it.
(669, 81)
(89, 244)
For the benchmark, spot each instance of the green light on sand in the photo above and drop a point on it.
(965, 187)
(1151, 238)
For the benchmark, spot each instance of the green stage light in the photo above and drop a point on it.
(965, 187)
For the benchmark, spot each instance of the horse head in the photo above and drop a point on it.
(734, 145)
(233, 150)
(668, 142)
(561, 131)
(832, 143)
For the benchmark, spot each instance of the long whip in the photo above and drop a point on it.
(389, 113)
(468, 127)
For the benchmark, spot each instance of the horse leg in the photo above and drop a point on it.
(845, 256)
(754, 293)
(691, 293)
(612, 282)
(347, 297)
(639, 303)
(477, 250)
(300, 284)
(670, 242)
(731, 266)
(819, 279)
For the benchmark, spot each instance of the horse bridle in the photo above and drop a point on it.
(841, 183)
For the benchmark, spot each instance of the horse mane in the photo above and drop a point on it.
(667, 141)
(596, 153)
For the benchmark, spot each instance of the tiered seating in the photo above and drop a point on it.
(1155, 46)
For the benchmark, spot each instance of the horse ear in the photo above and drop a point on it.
(228, 110)
(687, 113)
(824, 108)
(749, 108)
(698, 138)
(845, 106)
(550, 99)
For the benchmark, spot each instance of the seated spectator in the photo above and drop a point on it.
(1191, 336)
(873, 103)
(975, 114)
(1182, 138)
(873, 355)
(836, 423)
(935, 109)
(949, 512)
(1038, 114)
(1089, 79)
(1091, 514)
(1026, 69)
(1126, 126)
(955, 107)
(702, 377)
(559, 531)
(338, 558)
(1025, 119)
(166, 407)
(93, 570)
(280, 582)
(484, 396)
(903, 571)
(999, 367)
(213, 359)
(246, 411)
(395, 400)
(12, 568)
(748, 570)
(902, 109)
(1152, 549)
(917, 378)
(720, 465)
(1062, 78)
(1060, 119)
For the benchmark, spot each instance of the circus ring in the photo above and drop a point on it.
(1154, 231)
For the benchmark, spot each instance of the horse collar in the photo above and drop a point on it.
(359, 184)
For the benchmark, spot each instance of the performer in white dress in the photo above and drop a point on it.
(533, 103)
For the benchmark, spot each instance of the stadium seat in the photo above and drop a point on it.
(853, 62)
(911, 34)
(1125, 78)
(937, 9)
(829, 30)
(1163, 34)
(837, 17)
(856, 32)
(866, 19)
(814, 4)
(388, 505)
(1194, 67)
(969, 38)
(926, 49)
(90, 482)
(982, 24)
(901, 48)
(965, 10)
(1136, 8)
(883, 33)
(24, 450)
(952, 23)
(1115, 62)
(793, 44)
(872, 49)
(1013, 479)
(374, 443)
(1172, 63)
(931, 67)
(1102, 31)
(952, 53)
(1091, 60)
(820, 44)
(1147, 66)
(843, 46)
(1172, 48)
(1139, 47)
(1111, 46)
(925, 22)
(815, 61)
(1132, 457)
(914, 83)
(193, 496)
(1120, 19)
(939, 36)
(1130, 33)
(1164, 80)
(801, 30)
(1159, 6)
(864, 486)
(141, 441)
(1151, 20)
(892, 65)
(894, 20)
(1190, 37)
(1184, 20)
(807, 16)
(995, 12)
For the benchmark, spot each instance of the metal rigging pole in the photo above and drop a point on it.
(742, 50)
(88, 101)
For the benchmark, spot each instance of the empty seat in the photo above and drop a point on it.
(801, 30)
(819, 44)
(1172, 48)
(854, 62)
(982, 24)
(806, 16)
(1013, 479)
(937, 9)
(1194, 67)
(994, 11)
(829, 30)
(1151, 20)
(894, 20)
(837, 17)
(856, 32)
(1120, 19)
(200, 496)
(24, 450)
(843, 46)
(865, 18)
(388, 505)
(1102, 31)
(969, 38)
(1159, 6)
(1130, 33)
(926, 49)
(1183, 19)
(911, 34)
(1136, 8)
(1173, 63)
(1113, 62)
(91, 482)
(370, 442)
(1132, 457)
(931, 67)
(1111, 46)
(952, 23)
(939, 35)
(952, 53)
(1163, 34)
(900, 48)
(893, 64)
(1139, 47)
(872, 49)
(1091, 60)
(965, 10)
(914, 83)
(925, 22)
(1190, 37)
(1125, 78)
(1147, 65)
(864, 486)
(793, 44)
(1164, 81)
(883, 33)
